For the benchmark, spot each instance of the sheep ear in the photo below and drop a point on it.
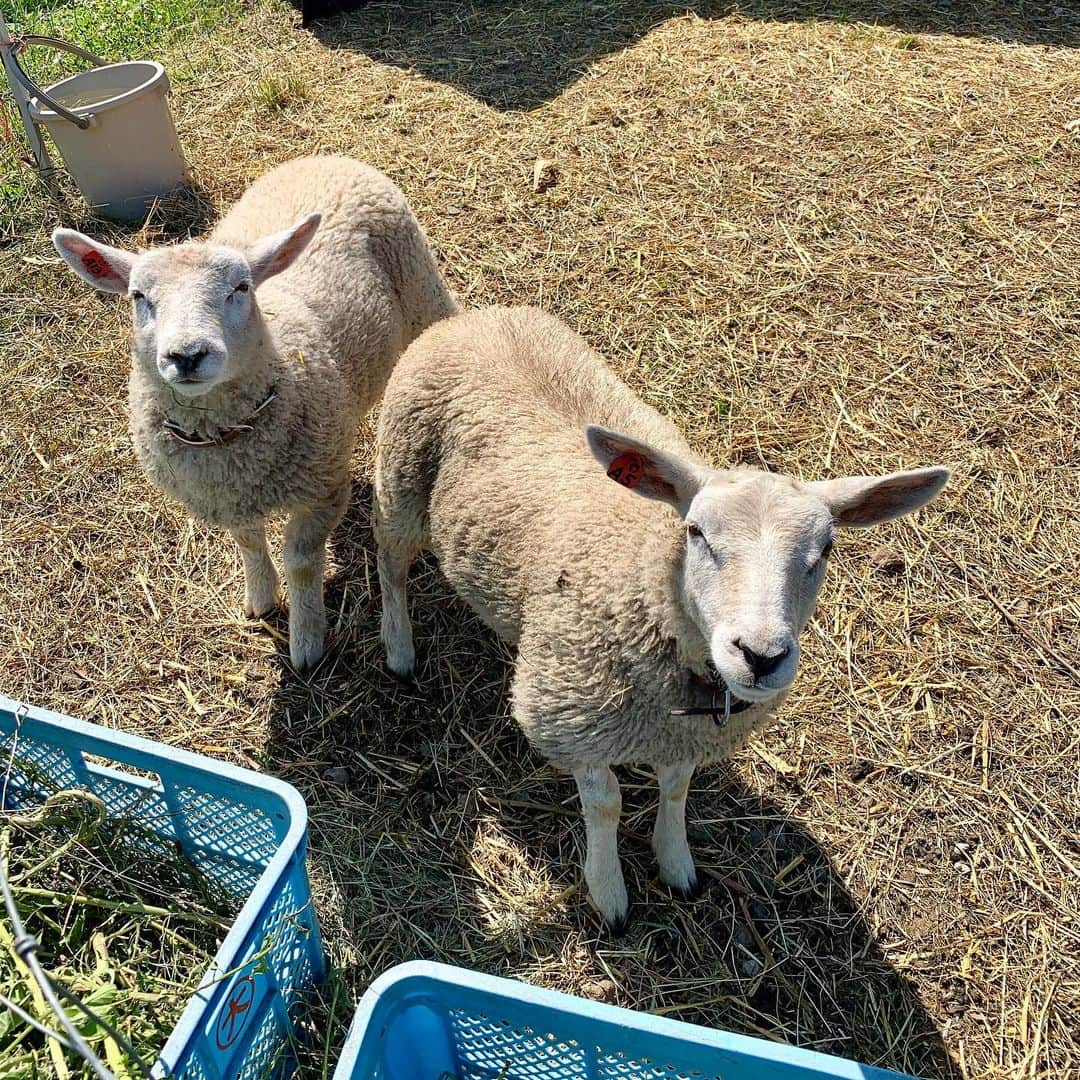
(106, 268)
(859, 501)
(644, 469)
(278, 252)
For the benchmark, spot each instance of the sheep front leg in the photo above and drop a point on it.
(260, 577)
(669, 835)
(601, 805)
(306, 534)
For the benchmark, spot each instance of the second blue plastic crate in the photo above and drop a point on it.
(423, 1021)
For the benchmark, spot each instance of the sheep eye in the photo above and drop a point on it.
(136, 295)
(242, 287)
(694, 531)
(819, 562)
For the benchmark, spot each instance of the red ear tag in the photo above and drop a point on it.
(95, 263)
(627, 469)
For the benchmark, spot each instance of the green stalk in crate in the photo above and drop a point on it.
(124, 922)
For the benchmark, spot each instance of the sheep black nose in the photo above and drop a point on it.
(759, 664)
(186, 363)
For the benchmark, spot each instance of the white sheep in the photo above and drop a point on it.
(256, 354)
(664, 631)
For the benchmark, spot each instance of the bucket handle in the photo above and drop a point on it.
(18, 44)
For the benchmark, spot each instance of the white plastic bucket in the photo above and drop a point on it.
(128, 154)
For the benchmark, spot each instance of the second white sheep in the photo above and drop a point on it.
(662, 629)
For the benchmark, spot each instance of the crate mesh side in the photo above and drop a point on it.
(267, 1051)
(226, 826)
(142, 805)
(488, 1047)
(34, 772)
(228, 839)
(619, 1066)
(194, 1069)
(237, 878)
(288, 934)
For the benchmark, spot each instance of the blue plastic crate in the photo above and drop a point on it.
(246, 831)
(423, 1021)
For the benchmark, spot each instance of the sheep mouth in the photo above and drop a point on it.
(189, 385)
(755, 695)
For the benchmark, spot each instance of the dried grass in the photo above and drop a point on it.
(823, 248)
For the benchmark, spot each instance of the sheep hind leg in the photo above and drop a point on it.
(669, 834)
(601, 805)
(400, 526)
(396, 628)
(306, 534)
(260, 578)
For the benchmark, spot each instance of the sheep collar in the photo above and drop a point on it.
(722, 705)
(223, 437)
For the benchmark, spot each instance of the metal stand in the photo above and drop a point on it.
(23, 89)
(8, 48)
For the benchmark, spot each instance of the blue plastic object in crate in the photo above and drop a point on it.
(422, 1021)
(246, 831)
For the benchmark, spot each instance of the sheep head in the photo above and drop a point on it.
(756, 547)
(194, 312)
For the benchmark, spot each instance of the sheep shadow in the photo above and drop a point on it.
(516, 56)
(436, 832)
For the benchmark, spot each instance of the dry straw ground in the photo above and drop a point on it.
(823, 246)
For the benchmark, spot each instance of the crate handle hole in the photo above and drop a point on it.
(95, 763)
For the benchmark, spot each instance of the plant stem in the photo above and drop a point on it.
(114, 905)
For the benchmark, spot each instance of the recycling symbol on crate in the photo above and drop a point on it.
(235, 1012)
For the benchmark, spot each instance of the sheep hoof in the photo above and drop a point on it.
(402, 663)
(406, 678)
(256, 609)
(614, 910)
(690, 891)
(305, 653)
(617, 927)
(678, 872)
